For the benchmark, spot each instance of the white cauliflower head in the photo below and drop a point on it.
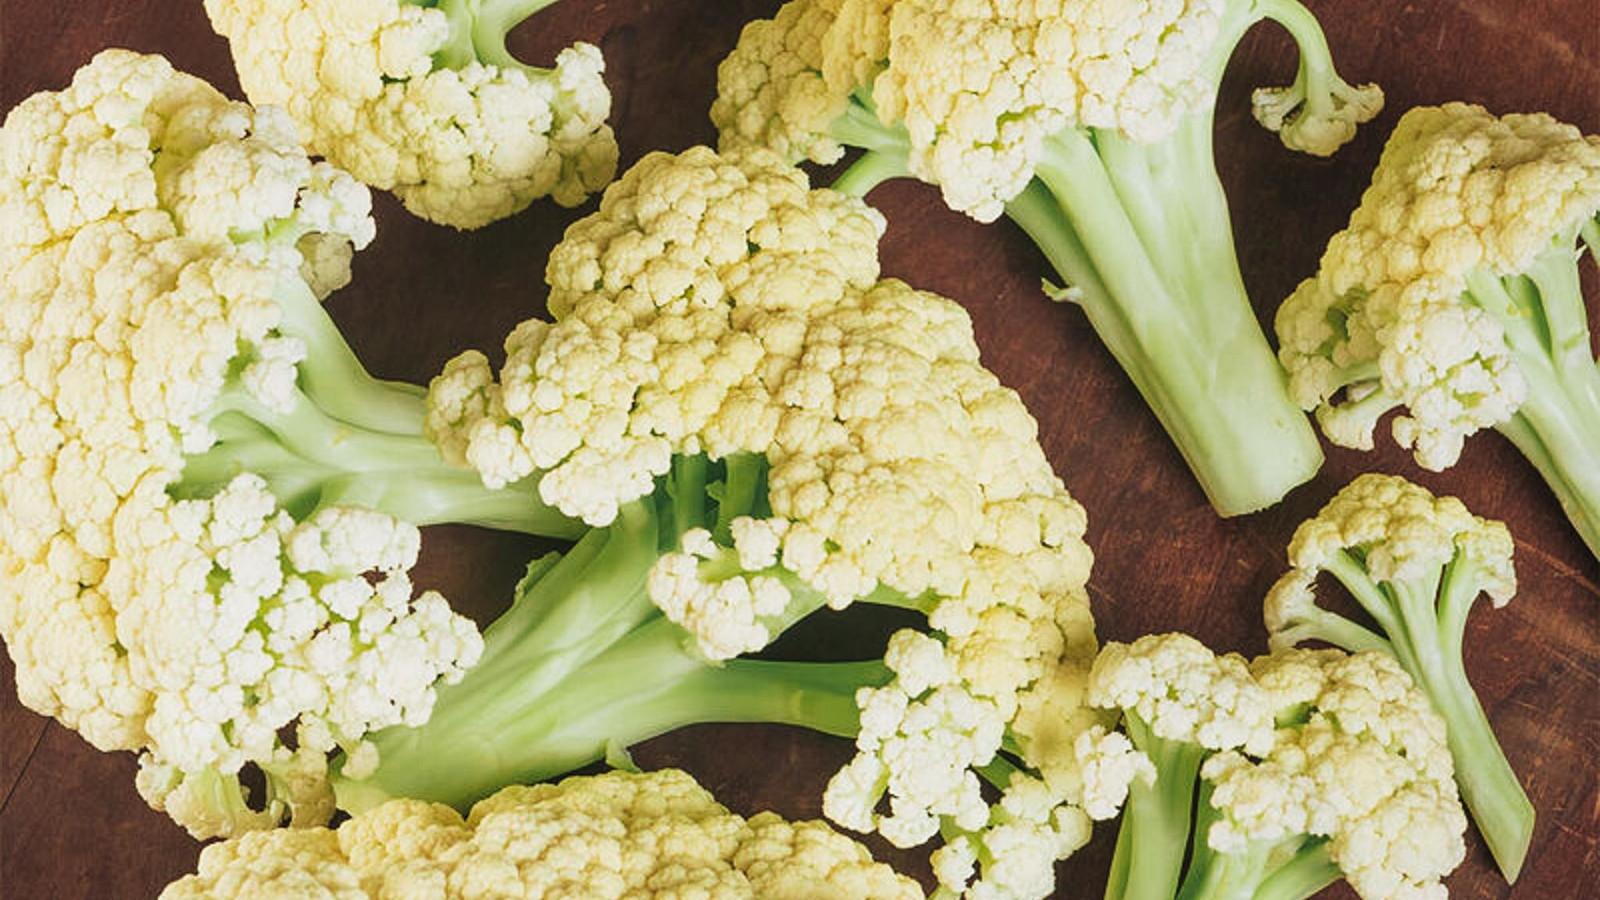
(717, 306)
(978, 86)
(394, 92)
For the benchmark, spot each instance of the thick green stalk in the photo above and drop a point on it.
(1148, 860)
(478, 30)
(887, 148)
(1309, 871)
(1143, 237)
(332, 374)
(584, 664)
(1291, 869)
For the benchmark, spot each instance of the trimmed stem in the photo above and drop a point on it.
(1148, 861)
(1144, 237)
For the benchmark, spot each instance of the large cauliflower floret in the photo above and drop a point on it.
(607, 837)
(151, 228)
(1365, 766)
(1404, 311)
(1071, 116)
(717, 306)
(424, 101)
(979, 87)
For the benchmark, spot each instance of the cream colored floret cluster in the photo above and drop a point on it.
(136, 286)
(605, 837)
(1369, 770)
(978, 85)
(1399, 532)
(1299, 745)
(1458, 192)
(462, 147)
(717, 305)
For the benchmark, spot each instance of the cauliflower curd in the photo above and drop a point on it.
(1454, 295)
(605, 837)
(424, 100)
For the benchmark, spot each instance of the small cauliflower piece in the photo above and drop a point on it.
(1309, 766)
(1089, 123)
(1454, 295)
(424, 100)
(1358, 784)
(1179, 704)
(1416, 563)
(608, 837)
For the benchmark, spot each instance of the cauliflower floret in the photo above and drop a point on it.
(151, 265)
(716, 306)
(615, 835)
(1416, 563)
(1406, 311)
(1368, 765)
(1181, 691)
(980, 87)
(407, 98)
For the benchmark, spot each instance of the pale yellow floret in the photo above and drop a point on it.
(977, 86)
(1182, 691)
(1400, 532)
(462, 147)
(607, 837)
(1382, 324)
(1369, 770)
(717, 305)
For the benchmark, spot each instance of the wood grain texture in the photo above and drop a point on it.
(72, 826)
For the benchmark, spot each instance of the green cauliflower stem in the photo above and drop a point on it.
(614, 835)
(1454, 295)
(1273, 779)
(1415, 563)
(584, 665)
(211, 507)
(1104, 159)
(422, 98)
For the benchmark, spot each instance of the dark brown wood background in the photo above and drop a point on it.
(72, 826)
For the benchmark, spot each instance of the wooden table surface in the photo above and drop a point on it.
(72, 825)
